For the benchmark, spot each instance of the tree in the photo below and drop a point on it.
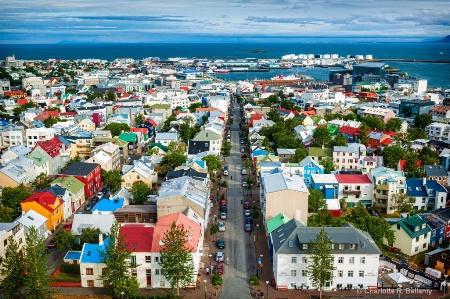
(114, 179)
(320, 265)
(7, 214)
(49, 122)
(12, 269)
(193, 107)
(140, 192)
(373, 123)
(117, 128)
(363, 133)
(13, 196)
(411, 158)
(77, 158)
(248, 163)
(90, 235)
(394, 124)
(339, 140)
(226, 148)
(274, 115)
(287, 104)
(417, 133)
(166, 124)
(40, 182)
(392, 154)
(117, 271)
(37, 279)
(217, 279)
(64, 239)
(212, 162)
(139, 119)
(110, 95)
(402, 202)
(328, 165)
(321, 136)
(316, 201)
(176, 258)
(423, 120)
(170, 161)
(429, 156)
(283, 140)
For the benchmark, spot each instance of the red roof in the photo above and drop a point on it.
(22, 101)
(45, 199)
(68, 113)
(138, 236)
(349, 130)
(144, 131)
(353, 178)
(186, 88)
(51, 147)
(254, 117)
(152, 122)
(47, 114)
(386, 141)
(401, 164)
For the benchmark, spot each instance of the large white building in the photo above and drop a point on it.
(356, 257)
(38, 134)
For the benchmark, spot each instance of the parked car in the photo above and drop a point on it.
(223, 203)
(244, 184)
(248, 227)
(223, 209)
(225, 170)
(223, 216)
(68, 226)
(242, 150)
(51, 244)
(244, 171)
(221, 243)
(248, 220)
(219, 269)
(247, 213)
(106, 189)
(89, 206)
(247, 205)
(221, 226)
(242, 141)
(220, 257)
(100, 194)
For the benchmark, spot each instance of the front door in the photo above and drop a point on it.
(148, 273)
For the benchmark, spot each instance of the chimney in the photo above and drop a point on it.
(424, 181)
(100, 239)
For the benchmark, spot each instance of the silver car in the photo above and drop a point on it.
(221, 226)
(223, 216)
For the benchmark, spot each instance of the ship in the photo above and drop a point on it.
(222, 71)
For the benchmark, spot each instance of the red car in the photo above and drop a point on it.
(247, 205)
(68, 226)
(223, 203)
(219, 269)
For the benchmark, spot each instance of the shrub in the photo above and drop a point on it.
(67, 277)
(254, 280)
(217, 280)
(70, 268)
(214, 229)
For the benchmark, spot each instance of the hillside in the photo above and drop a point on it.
(444, 40)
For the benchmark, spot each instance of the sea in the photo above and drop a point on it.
(437, 74)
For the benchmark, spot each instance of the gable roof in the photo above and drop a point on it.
(31, 218)
(353, 178)
(38, 158)
(128, 137)
(435, 170)
(70, 183)
(91, 252)
(410, 224)
(196, 147)
(276, 222)
(80, 169)
(187, 171)
(138, 236)
(101, 221)
(45, 199)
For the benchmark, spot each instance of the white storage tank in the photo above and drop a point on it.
(286, 57)
(302, 56)
(326, 56)
(359, 57)
(369, 57)
(334, 56)
(310, 56)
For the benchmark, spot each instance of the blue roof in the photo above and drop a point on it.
(122, 115)
(73, 255)
(433, 184)
(107, 204)
(259, 152)
(63, 140)
(38, 124)
(91, 252)
(415, 188)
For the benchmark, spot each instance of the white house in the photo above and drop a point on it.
(15, 230)
(32, 218)
(38, 134)
(346, 158)
(355, 188)
(166, 138)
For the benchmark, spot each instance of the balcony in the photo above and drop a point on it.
(381, 196)
(355, 192)
(382, 187)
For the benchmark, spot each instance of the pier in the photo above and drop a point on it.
(409, 60)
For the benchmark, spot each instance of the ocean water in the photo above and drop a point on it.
(437, 74)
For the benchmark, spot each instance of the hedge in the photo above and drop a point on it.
(65, 277)
(70, 268)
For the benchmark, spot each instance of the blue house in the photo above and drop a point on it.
(327, 184)
(437, 226)
(150, 129)
(310, 167)
(89, 263)
(445, 158)
(429, 195)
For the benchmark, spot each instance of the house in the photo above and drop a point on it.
(33, 218)
(197, 147)
(356, 257)
(214, 139)
(186, 171)
(444, 157)
(14, 152)
(13, 176)
(377, 140)
(436, 172)
(384, 114)
(131, 138)
(91, 263)
(86, 124)
(138, 170)
(58, 153)
(281, 193)
(38, 134)
(276, 222)
(437, 226)
(15, 230)
(346, 158)
(88, 173)
(166, 138)
(285, 154)
(428, 195)
(136, 214)
(310, 167)
(46, 204)
(387, 182)
(439, 259)
(103, 222)
(319, 153)
(444, 214)
(75, 188)
(162, 149)
(351, 134)
(108, 155)
(64, 195)
(355, 188)
(329, 186)
(412, 235)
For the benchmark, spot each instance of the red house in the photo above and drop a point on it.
(88, 173)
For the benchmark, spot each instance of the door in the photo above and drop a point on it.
(148, 273)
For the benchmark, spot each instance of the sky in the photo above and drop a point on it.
(140, 21)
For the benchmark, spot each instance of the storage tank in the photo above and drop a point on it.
(359, 57)
(369, 57)
(310, 56)
(286, 57)
(302, 56)
(334, 56)
(326, 56)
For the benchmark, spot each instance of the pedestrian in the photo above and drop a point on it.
(212, 269)
(207, 271)
(228, 261)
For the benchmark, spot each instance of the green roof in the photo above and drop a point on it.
(38, 158)
(121, 142)
(161, 106)
(410, 224)
(276, 222)
(320, 152)
(206, 135)
(104, 139)
(159, 145)
(316, 118)
(332, 130)
(128, 137)
(70, 183)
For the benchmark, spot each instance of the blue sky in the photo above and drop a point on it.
(139, 21)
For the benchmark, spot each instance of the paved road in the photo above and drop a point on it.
(239, 244)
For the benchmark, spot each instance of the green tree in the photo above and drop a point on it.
(193, 107)
(37, 280)
(274, 115)
(77, 158)
(139, 119)
(328, 165)
(217, 279)
(64, 239)
(117, 271)
(40, 182)
(274, 99)
(140, 192)
(49, 122)
(166, 124)
(394, 124)
(373, 123)
(110, 95)
(403, 203)
(423, 120)
(321, 136)
(7, 214)
(114, 179)
(283, 140)
(300, 154)
(287, 104)
(171, 161)
(417, 133)
(226, 148)
(13, 196)
(339, 140)
(392, 154)
(212, 162)
(363, 133)
(429, 156)
(117, 128)
(12, 269)
(90, 235)
(316, 201)
(411, 158)
(248, 163)
(176, 258)
(320, 265)
(352, 116)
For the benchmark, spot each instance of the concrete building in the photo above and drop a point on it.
(387, 182)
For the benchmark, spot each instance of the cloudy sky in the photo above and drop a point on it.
(137, 21)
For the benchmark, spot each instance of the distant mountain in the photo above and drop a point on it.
(444, 40)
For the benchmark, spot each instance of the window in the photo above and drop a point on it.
(417, 239)
(361, 273)
(423, 200)
(350, 273)
(304, 246)
(362, 260)
(340, 260)
(304, 260)
(425, 235)
(352, 246)
(340, 273)
(293, 273)
(90, 283)
(424, 245)
(416, 249)
(294, 260)
(341, 246)
(156, 259)
(148, 259)
(5, 242)
(89, 271)
(156, 271)
(133, 261)
(304, 273)
(351, 260)
(162, 284)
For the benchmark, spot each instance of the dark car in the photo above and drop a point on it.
(249, 220)
(51, 244)
(247, 205)
(248, 227)
(221, 244)
(223, 209)
(223, 203)
(219, 269)
(89, 206)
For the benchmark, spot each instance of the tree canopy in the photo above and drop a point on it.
(12, 269)
(328, 165)
(90, 235)
(117, 128)
(392, 154)
(403, 203)
(140, 191)
(316, 201)
(423, 120)
(212, 162)
(114, 179)
(13, 196)
(339, 140)
(393, 124)
(194, 106)
(321, 136)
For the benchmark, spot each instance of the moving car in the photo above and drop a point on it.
(223, 216)
(244, 184)
(221, 244)
(68, 226)
(247, 205)
(51, 244)
(219, 269)
(247, 213)
(221, 226)
(220, 257)
(248, 227)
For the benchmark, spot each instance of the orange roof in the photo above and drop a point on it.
(22, 101)
(205, 109)
(142, 130)
(440, 109)
(308, 112)
(165, 222)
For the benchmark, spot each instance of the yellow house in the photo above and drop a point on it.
(412, 235)
(139, 171)
(12, 176)
(86, 125)
(46, 204)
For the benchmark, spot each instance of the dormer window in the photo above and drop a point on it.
(423, 226)
(353, 246)
(416, 228)
(305, 246)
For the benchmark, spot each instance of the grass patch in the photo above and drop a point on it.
(67, 277)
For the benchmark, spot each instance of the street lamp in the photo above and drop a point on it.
(122, 293)
(444, 285)
(257, 225)
(261, 265)
(399, 290)
(267, 289)
(205, 286)
(210, 255)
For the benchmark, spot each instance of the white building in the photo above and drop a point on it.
(346, 157)
(166, 138)
(38, 134)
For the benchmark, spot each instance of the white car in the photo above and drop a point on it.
(221, 226)
(223, 216)
(244, 184)
(220, 257)
(244, 171)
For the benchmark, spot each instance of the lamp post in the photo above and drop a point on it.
(399, 290)
(444, 286)
(261, 265)
(257, 225)
(122, 293)
(205, 286)
(210, 255)
(267, 289)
